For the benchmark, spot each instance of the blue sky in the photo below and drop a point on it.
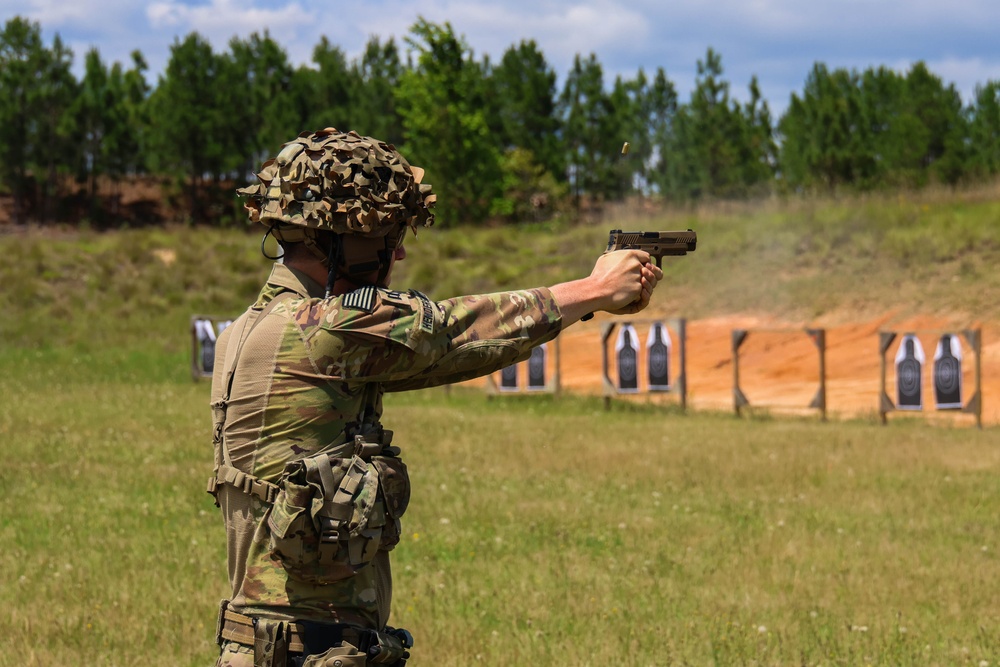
(777, 40)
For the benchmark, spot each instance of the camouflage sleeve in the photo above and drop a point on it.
(406, 341)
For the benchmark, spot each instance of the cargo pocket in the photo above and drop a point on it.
(394, 482)
(293, 537)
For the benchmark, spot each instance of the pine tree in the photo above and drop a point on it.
(188, 119)
(95, 109)
(938, 108)
(59, 151)
(759, 151)
(377, 75)
(260, 116)
(22, 63)
(588, 138)
(134, 141)
(984, 131)
(824, 139)
(662, 109)
(525, 91)
(443, 105)
(334, 89)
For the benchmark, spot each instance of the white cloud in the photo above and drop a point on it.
(223, 19)
(561, 29)
(586, 28)
(966, 73)
(778, 40)
(54, 12)
(71, 17)
(166, 14)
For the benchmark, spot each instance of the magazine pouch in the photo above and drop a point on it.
(328, 517)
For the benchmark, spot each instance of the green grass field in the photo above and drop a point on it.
(542, 531)
(567, 536)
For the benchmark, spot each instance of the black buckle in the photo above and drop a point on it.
(403, 634)
(380, 649)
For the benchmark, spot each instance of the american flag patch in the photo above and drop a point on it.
(362, 299)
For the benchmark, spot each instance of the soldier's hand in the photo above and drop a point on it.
(621, 283)
(628, 278)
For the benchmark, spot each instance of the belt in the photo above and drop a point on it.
(236, 627)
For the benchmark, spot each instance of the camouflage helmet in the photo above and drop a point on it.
(340, 182)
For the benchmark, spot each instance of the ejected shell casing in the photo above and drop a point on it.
(625, 148)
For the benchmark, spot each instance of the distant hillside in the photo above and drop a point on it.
(929, 252)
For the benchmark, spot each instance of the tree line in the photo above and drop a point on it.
(499, 140)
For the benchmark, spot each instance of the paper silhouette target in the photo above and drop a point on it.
(508, 378)
(205, 332)
(948, 373)
(627, 356)
(909, 374)
(536, 367)
(658, 346)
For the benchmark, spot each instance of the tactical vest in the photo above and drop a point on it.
(329, 513)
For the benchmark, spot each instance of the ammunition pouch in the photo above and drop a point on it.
(332, 514)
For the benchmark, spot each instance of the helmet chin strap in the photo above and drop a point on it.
(263, 250)
(383, 269)
(333, 258)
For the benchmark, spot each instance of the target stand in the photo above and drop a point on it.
(818, 337)
(946, 372)
(656, 356)
(204, 331)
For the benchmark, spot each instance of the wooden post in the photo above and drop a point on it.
(682, 353)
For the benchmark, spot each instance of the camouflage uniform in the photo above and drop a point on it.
(310, 376)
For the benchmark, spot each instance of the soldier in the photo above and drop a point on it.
(309, 482)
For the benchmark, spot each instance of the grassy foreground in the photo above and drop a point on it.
(542, 532)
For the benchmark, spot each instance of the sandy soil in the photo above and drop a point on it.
(779, 364)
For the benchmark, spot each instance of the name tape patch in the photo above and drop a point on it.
(426, 312)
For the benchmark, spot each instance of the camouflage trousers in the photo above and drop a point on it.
(237, 655)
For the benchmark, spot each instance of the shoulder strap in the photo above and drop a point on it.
(252, 321)
(224, 472)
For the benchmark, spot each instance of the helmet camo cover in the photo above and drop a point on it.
(342, 182)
